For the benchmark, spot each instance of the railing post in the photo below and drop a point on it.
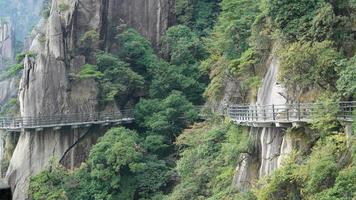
(256, 111)
(264, 113)
(287, 114)
(298, 111)
(273, 116)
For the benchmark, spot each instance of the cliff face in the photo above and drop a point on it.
(47, 89)
(150, 17)
(8, 87)
(271, 144)
(7, 43)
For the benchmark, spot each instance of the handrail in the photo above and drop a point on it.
(14, 123)
(278, 113)
(290, 112)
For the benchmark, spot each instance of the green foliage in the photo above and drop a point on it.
(89, 41)
(137, 51)
(167, 117)
(122, 153)
(117, 168)
(325, 114)
(10, 108)
(208, 159)
(282, 184)
(11, 71)
(200, 15)
(115, 78)
(187, 79)
(346, 84)
(118, 80)
(90, 71)
(228, 43)
(315, 20)
(50, 184)
(311, 179)
(343, 189)
(293, 17)
(231, 33)
(126, 164)
(182, 45)
(305, 66)
(183, 50)
(63, 7)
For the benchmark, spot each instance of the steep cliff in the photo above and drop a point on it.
(271, 144)
(47, 89)
(7, 43)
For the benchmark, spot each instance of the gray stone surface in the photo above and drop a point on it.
(47, 89)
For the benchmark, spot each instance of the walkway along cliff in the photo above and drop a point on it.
(46, 87)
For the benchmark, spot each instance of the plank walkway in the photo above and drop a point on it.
(262, 115)
(75, 120)
(247, 115)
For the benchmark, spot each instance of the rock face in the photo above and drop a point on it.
(46, 87)
(7, 43)
(150, 17)
(272, 144)
(8, 87)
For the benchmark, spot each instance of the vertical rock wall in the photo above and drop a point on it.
(272, 144)
(150, 17)
(47, 88)
(7, 43)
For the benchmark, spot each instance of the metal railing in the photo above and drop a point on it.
(14, 123)
(240, 113)
(298, 112)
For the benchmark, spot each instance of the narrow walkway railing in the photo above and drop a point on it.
(17, 123)
(285, 113)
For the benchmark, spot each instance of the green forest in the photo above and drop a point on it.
(170, 153)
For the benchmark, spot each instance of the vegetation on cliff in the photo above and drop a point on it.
(168, 154)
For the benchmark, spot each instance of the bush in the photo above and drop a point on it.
(346, 84)
(63, 7)
(89, 42)
(208, 160)
(90, 71)
(324, 115)
(306, 66)
(117, 168)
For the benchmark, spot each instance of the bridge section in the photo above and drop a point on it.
(58, 121)
(247, 115)
(285, 114)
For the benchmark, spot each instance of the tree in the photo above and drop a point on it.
(116, 79)
(136, 51)
(199, 15)
(346, 84)
(89, 42)
(305, 66)
(167, 117)
(182, 46)
(50, 183)
(119, 82)
(118, 167)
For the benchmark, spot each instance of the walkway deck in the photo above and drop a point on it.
(281, 115)
(58, 121)
(247, 115)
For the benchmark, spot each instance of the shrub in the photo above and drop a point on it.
(63, 7)
(90, 71)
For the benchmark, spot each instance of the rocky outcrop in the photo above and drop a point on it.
(150, 17)
(272, 144)
(8, 89)
(47, 87)
(7, 43)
